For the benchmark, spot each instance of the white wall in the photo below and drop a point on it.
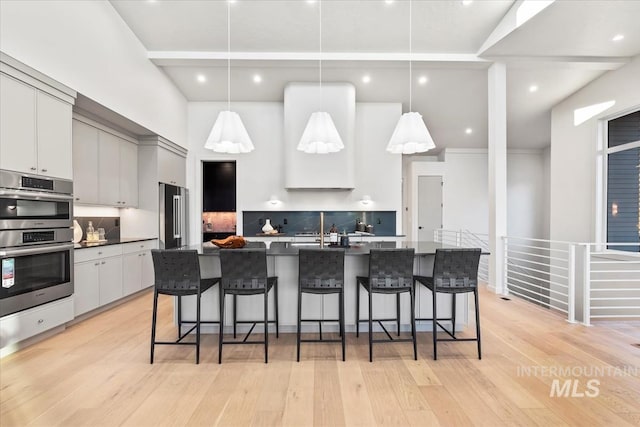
(574, 152)
(87, 46)
(465, 194)
(526, 194)
(260, 173)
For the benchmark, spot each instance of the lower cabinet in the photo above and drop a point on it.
(28, 323)
(106, 274)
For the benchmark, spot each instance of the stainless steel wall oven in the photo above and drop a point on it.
(36, 249)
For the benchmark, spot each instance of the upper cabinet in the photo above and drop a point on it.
(35, 127)
(171, 168)
(105, 165)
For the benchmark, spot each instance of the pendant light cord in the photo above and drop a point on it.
(320, 56)
(228, 56)
(410, 56)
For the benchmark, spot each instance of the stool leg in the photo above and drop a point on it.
(221, 331)
(179, 316)
(453, 314)
(435, 326)
(475, 294)
(342, 323)
(275, 296)
(357, 309)
(370, 326)
(266, 325)
(153, 323)
(413, 323)
(235, 316)
(398, 312)
(299, 322)
(198, 330)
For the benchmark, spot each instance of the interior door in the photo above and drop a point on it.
(429, 206)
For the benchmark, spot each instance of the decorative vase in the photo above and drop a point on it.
(77, 231)
(267, 228)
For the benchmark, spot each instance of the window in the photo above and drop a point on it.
(623, 181)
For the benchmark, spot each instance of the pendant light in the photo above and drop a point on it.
(320, 136)
(228, 134)
(411, 134)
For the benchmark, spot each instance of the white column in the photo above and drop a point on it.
(497, 116)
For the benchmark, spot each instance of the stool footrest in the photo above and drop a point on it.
(319, 340)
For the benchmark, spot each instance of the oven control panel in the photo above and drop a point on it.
(38, 236)
(37, 183)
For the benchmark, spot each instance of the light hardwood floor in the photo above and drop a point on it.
(97, 373)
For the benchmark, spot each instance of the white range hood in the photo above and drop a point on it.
(319, 171)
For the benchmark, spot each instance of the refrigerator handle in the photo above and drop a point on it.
(176, 217)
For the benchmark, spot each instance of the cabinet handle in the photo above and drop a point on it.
(144, 254)
(103, 262)
(33, 169)
(97, 263)
(77, 198)
(44, 170)
(40, 321)
(99, 253)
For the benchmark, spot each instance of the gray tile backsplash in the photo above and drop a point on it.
(384, 222)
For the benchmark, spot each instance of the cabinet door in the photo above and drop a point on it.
(18, 126)
(110, 279)
(109, 169)
(148, 275)
(128, 174)
(86, 293)
(171, 168)
(85, 163)
(131, 273)
(53, 124)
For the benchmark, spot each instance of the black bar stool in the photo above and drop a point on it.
(177, 273)
(390, 272)
(321, 271)
(455, 271)
(244, 272)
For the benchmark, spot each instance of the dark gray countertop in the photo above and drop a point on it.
(85, 245)
(291, 249)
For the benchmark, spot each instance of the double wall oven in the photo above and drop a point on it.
(36, 249)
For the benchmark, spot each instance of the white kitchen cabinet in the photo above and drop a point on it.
(128, 179)
(18, 129)
(137, 265)
(35, 136)
(53, 128)
(131, 273)
(28, 323)
(110, 279)
(105, 166)
(86, 291)
(171, 168)
(85, 163)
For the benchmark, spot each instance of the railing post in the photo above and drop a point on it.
(586, 288)
(435, 235)
(505, 267)
(571, 269)
(458, 238)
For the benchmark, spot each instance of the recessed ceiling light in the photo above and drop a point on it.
(468, 131)
(617, 37)
(466, 2)
(257, 78)
(366, 78)
(388, 1)
(151, 1)
(423, 80)
(311, 1)
(201, 78)
(533, 88)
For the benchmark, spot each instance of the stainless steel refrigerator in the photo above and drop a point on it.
(173, 216)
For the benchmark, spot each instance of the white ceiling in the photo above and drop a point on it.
(560, 50)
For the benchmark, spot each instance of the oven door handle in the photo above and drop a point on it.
(35, 250)
(34, 195)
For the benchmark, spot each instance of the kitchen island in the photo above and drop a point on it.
(282, 261)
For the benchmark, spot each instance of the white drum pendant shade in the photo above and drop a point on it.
(229, 135)
(320, 136)
(410, 136)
